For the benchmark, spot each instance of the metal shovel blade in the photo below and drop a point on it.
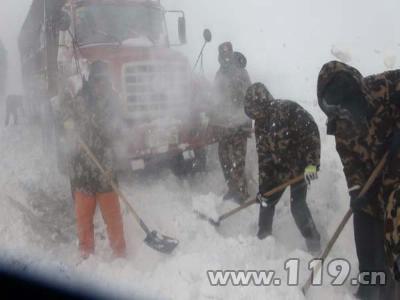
(161, 243)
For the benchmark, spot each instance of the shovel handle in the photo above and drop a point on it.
(345, 220)
(267, 194)
(114, 185)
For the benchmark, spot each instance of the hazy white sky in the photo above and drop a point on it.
(286, 41)
(12, 15)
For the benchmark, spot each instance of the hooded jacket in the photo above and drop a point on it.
(362, 149)
(287, 137)
(362, 145)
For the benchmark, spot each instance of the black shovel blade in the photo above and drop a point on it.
(161, 243)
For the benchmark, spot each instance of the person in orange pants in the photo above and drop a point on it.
(93, 116)
(85, 207)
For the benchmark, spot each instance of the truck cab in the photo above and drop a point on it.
(162, 113)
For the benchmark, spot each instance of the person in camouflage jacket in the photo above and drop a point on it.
(93, 117)
(288, 145)
(231, 83)
(363, 115)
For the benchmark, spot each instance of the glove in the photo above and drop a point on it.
(267, 201)
(69, 125)
(262, 200)
(310, 174)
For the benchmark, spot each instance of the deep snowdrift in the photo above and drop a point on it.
(38, 233)
(286, 43)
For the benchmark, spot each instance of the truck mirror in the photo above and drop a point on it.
(182, 30)
(207, 35)
(64, 21)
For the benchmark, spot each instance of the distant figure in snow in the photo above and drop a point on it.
(288, 146)
(93, 115)
(14, 104)
(231, 83)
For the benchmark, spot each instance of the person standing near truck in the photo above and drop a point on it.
(92, 116)
(231, 83)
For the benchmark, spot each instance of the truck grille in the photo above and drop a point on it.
(156, 89)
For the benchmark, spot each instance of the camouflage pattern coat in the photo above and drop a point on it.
(287, 137)
(361, 148)
(233, 125)
(96, 121)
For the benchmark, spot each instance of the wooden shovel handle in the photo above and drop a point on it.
(267, 194)
(113, 185)
(345, 220)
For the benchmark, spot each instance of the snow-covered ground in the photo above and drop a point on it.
(286, 43)
(38, 233)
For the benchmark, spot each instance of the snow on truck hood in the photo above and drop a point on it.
(130, 50)
(138, 42)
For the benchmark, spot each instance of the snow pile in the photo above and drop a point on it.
(389, 61)
(39, 234)
(341, 54)
(37, 227)
(207, 205)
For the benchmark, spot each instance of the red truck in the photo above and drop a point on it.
(161, 97)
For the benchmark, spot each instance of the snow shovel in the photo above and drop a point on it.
(154, 240)
(346, 218)
(245, 205)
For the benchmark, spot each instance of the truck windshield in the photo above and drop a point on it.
(109, 23)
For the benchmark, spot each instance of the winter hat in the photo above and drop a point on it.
(225, 51)
(257, 100)
(341, 89)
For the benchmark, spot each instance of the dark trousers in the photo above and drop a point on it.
(369, 240)
(232, 156)
(300, 212)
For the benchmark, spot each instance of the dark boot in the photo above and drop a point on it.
(302, 216)
(314, 243)
(265, 220)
